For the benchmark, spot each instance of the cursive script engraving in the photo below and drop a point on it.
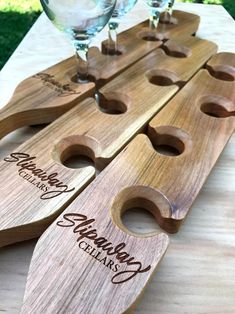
(49, 81)
(25, 163)
(85, 230)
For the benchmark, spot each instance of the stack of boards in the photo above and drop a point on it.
(154, 124)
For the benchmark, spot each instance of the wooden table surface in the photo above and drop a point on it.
(197, 274)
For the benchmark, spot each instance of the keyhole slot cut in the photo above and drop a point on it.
(176, 51)
(163, 78)
(217, 107)
(77, 157)
(145, 199)
(112, 103)
(223, 72)
(170, 141)
(77, 152)
(149, 35)
(139, 219)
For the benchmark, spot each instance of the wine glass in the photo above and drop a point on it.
(81, 20)
(167, 18)
(170, 7)
(156, 7)
(122, 7)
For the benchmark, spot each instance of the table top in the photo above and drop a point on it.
(197, 274)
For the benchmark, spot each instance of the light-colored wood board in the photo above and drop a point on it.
(34, 202)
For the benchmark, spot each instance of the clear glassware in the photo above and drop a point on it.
(168, 18)
(156, 7)
(122, 7)
(81, 20)
(170, 7)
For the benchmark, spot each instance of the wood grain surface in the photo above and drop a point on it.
(197, 124)
(138, 177)
(84, 260)
(180, 25)
(43, 186)
(197, 275)
(47, 95)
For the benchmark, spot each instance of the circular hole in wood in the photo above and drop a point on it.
(170, 140)
(161, 77)
(167, 150)
(214, 110)
(139, 214)
(77, 157)
(172, 49)
(139, 220)
(161, 80)
(136, 204)
(221, 75)
(166, 143)
(111, 103)
(91, 78)
(216, 106)
(150, 37)
(111, 52)
(78, 161)
(175, 53)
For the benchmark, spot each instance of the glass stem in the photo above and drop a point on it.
(170, 7)
(82, 60)
(154, 19)
(112, 42)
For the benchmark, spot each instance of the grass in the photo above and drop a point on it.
(17, 16)
(229, 5)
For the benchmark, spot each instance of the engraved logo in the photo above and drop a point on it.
(49, 81)
(103, 250)
(49, 184)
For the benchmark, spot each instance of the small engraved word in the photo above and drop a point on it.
(28, 170)
(84, 227)
(49, 81)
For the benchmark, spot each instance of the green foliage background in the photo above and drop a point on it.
(228, 4)
(17, 16)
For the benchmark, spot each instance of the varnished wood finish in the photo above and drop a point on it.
(222, 66)
(47, 95)
(197, 275)
(87, 130)
(132, 46)
(69, 275)
(180, 26)
(44, 97)
(198, 123)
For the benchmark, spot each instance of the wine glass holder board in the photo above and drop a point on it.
(164, 117)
